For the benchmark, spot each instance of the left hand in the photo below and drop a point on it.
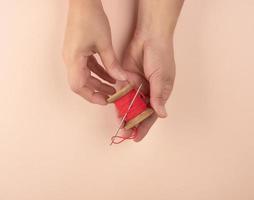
(149, 57)
(151, 61)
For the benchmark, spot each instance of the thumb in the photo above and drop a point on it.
(111, 64)
(160, 90)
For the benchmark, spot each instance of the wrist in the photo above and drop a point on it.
(85, 4)
(83, 1)
(158, 18)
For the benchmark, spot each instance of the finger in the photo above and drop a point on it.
(96, 68)
(78, 76)
(123, 132)
(160, 90)
(134, 76)
(130, 62)
(92, 96)
(111, 64)
(136, 79)
(133, 57)
(97, 85)
(144, 127)
(158, 74)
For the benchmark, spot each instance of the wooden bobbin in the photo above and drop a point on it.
(135, 121)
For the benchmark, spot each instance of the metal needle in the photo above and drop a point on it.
(132, 101)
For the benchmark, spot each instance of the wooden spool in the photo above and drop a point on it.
(135, 121)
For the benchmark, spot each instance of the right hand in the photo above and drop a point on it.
(88, 32)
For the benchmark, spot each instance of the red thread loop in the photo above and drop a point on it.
(137, 108)
(133, 135)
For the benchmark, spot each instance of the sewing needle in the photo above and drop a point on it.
(132, 101)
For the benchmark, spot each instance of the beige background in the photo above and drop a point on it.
(54, 145)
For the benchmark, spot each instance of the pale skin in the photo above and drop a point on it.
(149, 57)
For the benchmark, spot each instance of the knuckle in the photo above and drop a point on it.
(70, 56)
(75, 87)
(160, 75)
(154, 75)
(166, 91)
(88, 98)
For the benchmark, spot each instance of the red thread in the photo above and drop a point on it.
(133, 135)
(137, 108)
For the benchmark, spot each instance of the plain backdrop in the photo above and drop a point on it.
(55, 146)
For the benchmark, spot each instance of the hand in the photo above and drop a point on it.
(151, 61)
(149, 57)
(88, 32)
